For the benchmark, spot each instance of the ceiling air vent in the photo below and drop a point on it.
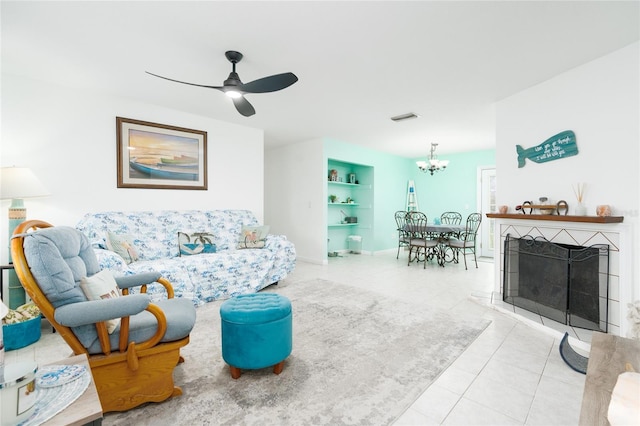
(403, 117)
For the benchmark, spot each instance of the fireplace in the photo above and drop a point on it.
(564, 282)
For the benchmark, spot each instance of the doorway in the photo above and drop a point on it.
(487, 186)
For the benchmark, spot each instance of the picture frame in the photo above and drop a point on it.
(159, 156)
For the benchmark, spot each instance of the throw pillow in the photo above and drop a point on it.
(191, 243)
(123, 245)
(253, 237)
(101, 286)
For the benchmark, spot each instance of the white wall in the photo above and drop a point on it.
(68, 138)
(294, 202)
(600, 102)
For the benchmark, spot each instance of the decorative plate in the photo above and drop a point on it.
(58, 375)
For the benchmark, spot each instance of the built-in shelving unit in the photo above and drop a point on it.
(352, 186)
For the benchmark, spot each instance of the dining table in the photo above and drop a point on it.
(442, 232)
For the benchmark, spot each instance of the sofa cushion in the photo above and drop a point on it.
(190, 243)
(122, 244)
(253, 237)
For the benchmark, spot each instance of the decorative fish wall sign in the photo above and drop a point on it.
(556, 147)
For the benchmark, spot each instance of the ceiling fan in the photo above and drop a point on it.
(236, 89)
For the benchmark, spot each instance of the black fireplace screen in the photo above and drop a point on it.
(566, 283)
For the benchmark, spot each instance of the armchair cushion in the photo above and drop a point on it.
(82, 316)
(180, 314)
(137, 280)
(88, 313)
(64, 257)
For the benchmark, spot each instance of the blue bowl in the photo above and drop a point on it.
(21, 334)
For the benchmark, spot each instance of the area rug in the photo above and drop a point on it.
(359, 358)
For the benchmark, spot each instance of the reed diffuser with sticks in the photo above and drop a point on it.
(578, 190)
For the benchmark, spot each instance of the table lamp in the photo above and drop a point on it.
(17, 183)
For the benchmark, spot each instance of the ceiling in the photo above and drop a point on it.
(358, 63)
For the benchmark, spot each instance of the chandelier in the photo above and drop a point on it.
(433, 164)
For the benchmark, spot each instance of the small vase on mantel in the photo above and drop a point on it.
(581, 210)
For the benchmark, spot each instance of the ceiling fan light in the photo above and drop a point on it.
(233, 94)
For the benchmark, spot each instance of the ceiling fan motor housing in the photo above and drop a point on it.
(233, 80)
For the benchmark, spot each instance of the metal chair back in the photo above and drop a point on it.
(473, 224)
(451, 218)
(416, 224)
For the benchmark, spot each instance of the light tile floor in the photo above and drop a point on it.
(511, 375)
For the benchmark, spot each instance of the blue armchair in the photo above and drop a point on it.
(132, 360)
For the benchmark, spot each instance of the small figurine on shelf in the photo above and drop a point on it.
(333, 175)
(603, 210)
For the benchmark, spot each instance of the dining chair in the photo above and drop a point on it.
(466, 242)
(421, 243)
(403, 234)
(451, 218)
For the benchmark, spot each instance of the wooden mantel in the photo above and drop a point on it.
(557, 218)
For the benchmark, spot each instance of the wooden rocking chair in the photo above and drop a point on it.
(132, 365)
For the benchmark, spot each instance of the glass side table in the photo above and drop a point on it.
(2, 269)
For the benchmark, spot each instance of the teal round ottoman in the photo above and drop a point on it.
(256, 332)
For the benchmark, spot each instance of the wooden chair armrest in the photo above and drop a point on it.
(157, 312)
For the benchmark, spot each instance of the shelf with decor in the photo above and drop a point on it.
(349, 197)
(557, 218)
(344, 204)
(342, 183)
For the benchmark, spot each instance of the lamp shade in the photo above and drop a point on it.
(20, 182)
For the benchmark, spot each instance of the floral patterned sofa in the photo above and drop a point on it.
(202, 277)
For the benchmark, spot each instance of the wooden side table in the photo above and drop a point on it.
(607, 360)
(85, 410)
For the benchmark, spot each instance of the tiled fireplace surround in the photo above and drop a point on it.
(616, 235)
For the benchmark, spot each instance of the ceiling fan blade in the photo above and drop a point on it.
(269, 84)
(243, 106)
(184, 82)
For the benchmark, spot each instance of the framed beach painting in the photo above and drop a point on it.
(152, 155)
